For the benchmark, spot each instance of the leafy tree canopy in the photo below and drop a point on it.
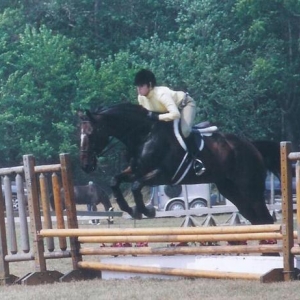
(239, 59)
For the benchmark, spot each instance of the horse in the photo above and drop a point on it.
(156, 155)
(91, 195)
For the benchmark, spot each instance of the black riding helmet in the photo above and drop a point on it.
(145, 77)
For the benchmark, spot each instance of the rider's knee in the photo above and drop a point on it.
(186, 130)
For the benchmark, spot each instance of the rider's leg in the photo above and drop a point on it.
(193, 150)
(188, 114)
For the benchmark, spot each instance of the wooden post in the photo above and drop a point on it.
(41, 274)
(60, 223)
(298, 198)
(287, 211)
(46, 209)
(34, 212)
(70, 206)
(5, 277)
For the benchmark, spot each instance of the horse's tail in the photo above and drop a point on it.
(270, 152)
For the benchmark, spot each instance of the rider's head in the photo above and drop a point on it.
(143, 77)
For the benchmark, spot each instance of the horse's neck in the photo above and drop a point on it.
(130, 133)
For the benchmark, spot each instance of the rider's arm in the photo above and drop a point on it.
(173, 112)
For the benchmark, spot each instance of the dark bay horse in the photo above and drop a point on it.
(156, 154)
(91, 195)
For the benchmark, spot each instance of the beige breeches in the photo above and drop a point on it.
(188, 114)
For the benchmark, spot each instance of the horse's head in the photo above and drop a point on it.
(93, 139)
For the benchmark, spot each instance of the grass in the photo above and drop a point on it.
(152, 289)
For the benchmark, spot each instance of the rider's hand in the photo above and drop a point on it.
(153, 115)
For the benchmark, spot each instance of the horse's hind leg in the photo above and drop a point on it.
(250, 202)
(262, 213)
(141, 208)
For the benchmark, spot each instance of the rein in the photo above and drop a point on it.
(106, 149)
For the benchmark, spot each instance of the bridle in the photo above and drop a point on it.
(85, 136)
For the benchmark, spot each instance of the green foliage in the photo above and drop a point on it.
(38, 94)
(239, 59)
(110, 83)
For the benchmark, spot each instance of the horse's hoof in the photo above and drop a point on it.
(136, 214)
(151, 211)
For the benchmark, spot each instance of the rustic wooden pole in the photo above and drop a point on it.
(4, 265)
(167, 271)
(34, 212)
(192, 250)
(162, 231)
(298, 198)
(46, 209)
(60, 223)
(24, 232)
(70, 204)
(180, 238)
(287, 211)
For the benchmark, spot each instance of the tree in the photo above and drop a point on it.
(101, 28)
(37, 97)
(240, 61)
(272, 34)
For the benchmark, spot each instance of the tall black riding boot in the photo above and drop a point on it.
(193, 150)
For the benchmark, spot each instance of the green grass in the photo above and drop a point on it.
(154, 289)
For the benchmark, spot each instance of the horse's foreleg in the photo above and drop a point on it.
(141, 208)
(127, 176)
(117, 193)
(108, 207)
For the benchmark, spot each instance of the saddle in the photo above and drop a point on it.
(202, 125)
(203, 128)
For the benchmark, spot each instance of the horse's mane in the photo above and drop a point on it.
(124, 108)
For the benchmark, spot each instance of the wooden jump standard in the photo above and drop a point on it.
(19, 226)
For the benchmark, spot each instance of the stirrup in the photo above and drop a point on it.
(198, 167)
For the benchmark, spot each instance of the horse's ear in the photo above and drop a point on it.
(80, 114)
(84, 115)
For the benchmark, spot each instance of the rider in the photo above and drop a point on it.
(165, 104)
